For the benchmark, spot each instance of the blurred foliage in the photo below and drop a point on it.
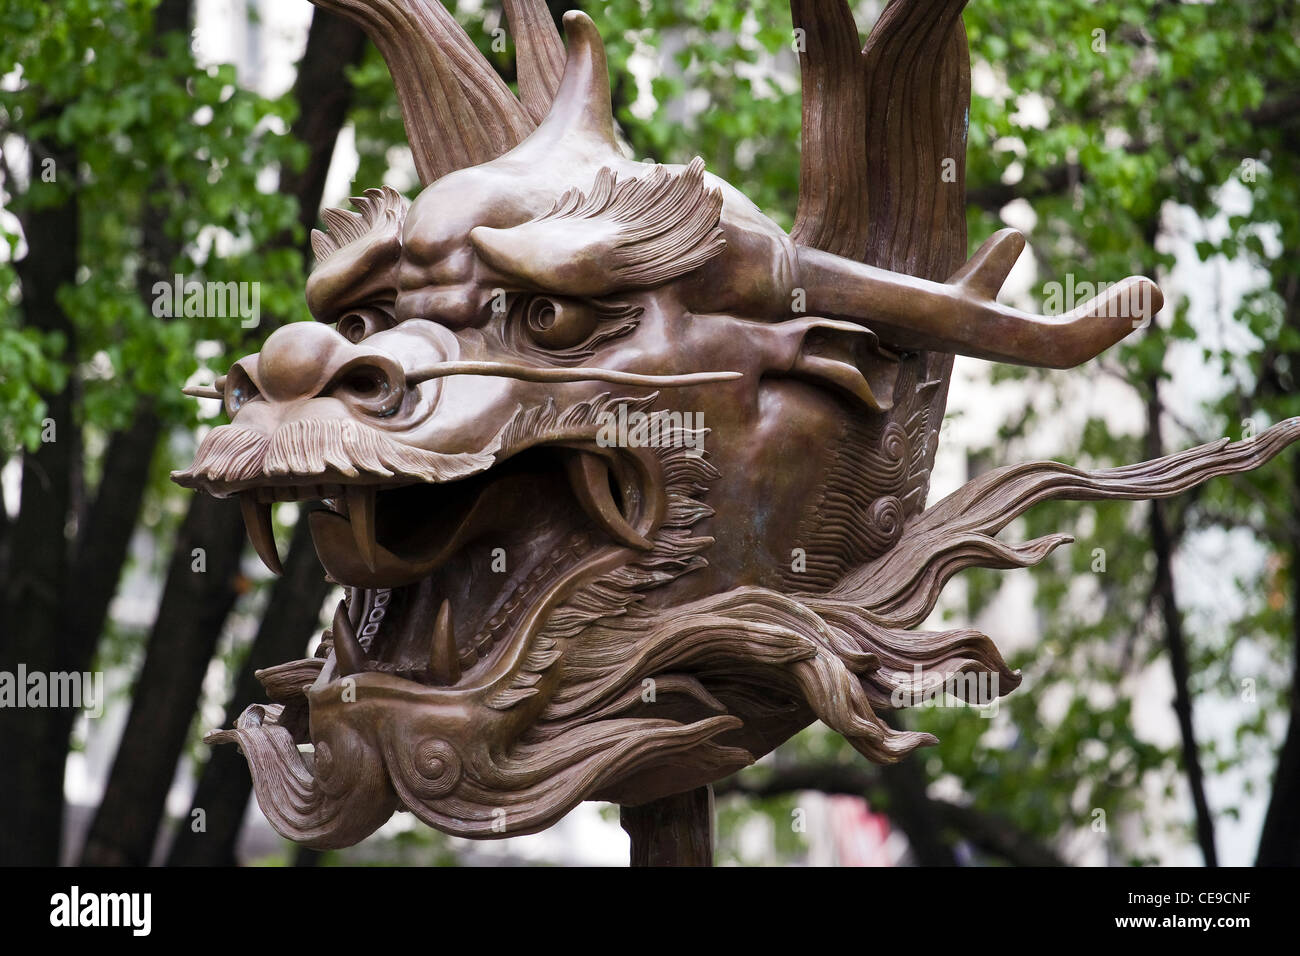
(146, 129)
(1149, 108)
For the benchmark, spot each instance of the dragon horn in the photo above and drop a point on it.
(581, 117)
(963, 316)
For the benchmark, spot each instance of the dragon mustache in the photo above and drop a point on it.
(232, 459)
(231, 456)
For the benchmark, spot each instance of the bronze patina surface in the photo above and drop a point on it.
(625, 484)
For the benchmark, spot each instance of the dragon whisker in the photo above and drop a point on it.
(528, 373)
(201, 391)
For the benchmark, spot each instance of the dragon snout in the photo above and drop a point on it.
(307, 360)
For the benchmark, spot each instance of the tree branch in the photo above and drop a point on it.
(1163, 544)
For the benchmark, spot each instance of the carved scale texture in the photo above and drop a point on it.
(874, 483)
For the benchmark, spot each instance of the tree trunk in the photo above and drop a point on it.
(104, 533)
(31, 750)
(909, 806)
(105, 538)
(144, 767)
(1162, 545)
(324, 96)
(190, 620)
(292, 617)
(1279, 841)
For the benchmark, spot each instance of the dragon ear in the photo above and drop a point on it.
(634, 234)
(842, 356)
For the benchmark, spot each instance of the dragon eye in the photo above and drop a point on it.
(363, 323)
(559, 323)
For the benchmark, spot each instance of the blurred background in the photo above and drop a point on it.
(1158, 720)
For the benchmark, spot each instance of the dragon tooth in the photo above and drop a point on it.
(361, 512)
(257, 522)
(444, 659)
(589, 475)
(348, 653)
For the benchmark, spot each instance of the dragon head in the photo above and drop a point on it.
(612, 467)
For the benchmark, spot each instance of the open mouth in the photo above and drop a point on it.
(446, 583)
(476, 585)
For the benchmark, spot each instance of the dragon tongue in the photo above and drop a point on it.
(257, 522)
(361, 513)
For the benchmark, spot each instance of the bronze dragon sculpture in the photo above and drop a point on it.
(571, 415)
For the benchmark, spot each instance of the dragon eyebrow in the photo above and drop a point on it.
(530, 373)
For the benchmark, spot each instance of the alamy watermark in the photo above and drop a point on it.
(1134, 303)
(658, 429)
(193, 299)
(60, 689)
(971, 689)
(74, 909)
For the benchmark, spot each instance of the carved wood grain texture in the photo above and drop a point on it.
(539, 54)
(833, 174)
(443, 83)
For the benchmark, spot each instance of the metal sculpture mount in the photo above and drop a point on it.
(570, 416)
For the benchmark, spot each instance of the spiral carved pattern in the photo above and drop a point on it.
(324, 760)
(341, 761)
(863, 505)
(883, 525)
(431, 770)
(887, 471)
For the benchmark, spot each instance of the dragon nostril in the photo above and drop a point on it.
(366, 384)
(308, 360)
(239, 390)
(372, 387)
